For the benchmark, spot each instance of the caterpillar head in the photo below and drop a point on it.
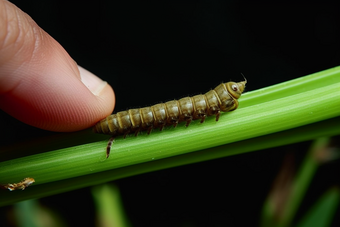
(236, 89)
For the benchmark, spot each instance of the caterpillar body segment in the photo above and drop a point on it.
(223, 98)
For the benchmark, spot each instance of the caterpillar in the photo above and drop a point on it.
(21, 185)
(223, 98)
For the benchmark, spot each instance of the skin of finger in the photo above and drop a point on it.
(40, 83)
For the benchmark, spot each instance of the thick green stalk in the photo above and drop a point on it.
(267, 111)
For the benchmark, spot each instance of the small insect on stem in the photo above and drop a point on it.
(21, 185)
(223, 98)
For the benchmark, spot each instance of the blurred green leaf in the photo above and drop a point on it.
(109, 208)
(322, 213)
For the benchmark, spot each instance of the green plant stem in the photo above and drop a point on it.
(285, 106)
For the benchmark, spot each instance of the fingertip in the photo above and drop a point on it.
(104, 97)
(103, 92)
(41, 85)
(91, 81)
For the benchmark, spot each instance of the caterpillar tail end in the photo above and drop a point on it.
(97, 128)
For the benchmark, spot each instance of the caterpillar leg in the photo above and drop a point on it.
(137, 131)
(218, 115)
(174, 122)
(108, 148)
(188, 119)
(202, 116)
(161, 125)
(215, 110)
(188, 122)
(126, 133)
(149, 129)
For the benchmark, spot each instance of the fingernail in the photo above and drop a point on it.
(91, 81)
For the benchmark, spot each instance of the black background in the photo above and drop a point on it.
(157, 51)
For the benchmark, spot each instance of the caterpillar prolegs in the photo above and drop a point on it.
(223, 98)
